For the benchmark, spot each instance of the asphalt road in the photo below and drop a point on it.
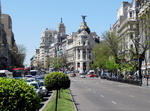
(94, 94)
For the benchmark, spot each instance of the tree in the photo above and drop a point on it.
(56, 81)
(111, 65)
(17, 95)
(101, 55)
(21, 54)
(113, 42)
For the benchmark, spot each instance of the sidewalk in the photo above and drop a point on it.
(145, 83)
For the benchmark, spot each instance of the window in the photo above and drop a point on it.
(78, 64)
(84, 54)
(130, 14)
(78, 53)
(83, 43)
(131, 36)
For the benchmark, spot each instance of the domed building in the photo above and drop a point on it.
(79, 47)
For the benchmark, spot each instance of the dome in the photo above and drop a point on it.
(84, 26)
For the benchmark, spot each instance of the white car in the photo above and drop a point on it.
(44, 90)
(82, 76)
(37, 88)
(30, 79)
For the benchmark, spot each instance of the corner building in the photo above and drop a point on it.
(79, 47)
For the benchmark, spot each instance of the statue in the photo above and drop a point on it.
(83, 17)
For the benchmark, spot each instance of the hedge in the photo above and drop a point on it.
(17, 95)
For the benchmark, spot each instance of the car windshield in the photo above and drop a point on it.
(35, 86)
(40, 77)
(41, 83)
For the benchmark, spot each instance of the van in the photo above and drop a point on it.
(6, 73)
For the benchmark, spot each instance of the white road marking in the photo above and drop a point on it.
(118, 92)
(89, 89)
(131, 96)
(102, 96)
(113, 102)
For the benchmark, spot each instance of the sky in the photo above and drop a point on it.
(31, 17)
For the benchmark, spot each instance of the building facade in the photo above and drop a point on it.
(75, 48)
(132, 25)
(144, 32)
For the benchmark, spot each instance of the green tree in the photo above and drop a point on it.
(101, 55)
(56, 81)
(111, 65)
(113, 42)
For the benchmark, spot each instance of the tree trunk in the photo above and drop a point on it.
(56, 100)
(59, 94)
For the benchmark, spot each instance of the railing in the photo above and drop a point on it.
(129, 81)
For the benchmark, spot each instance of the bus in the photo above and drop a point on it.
(6, 73)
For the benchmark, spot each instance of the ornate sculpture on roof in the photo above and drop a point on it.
(84, 26)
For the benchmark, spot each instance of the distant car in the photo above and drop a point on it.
(30, 79)
(82, 76)
(40, 77)
(91, 72)
(28, 76)
(104, 75)
(37, 88)
(91, 75)
(44, 90)
(72, 74)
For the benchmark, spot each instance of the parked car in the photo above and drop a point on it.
(91, 75)
(104, 75)
(91, 72)
(82, 76)
(44, 90)
(72, 74)
(37, 88)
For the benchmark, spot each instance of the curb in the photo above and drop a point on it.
(46, 102)
(76, 108)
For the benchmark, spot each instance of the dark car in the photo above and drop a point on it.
(104, 75)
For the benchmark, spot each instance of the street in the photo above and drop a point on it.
(94, 94)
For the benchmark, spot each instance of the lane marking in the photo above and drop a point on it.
(113, 102)
(102, 96)
(131, 96)
(118, 92)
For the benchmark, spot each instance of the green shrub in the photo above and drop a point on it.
(56, 81)
(17, 95)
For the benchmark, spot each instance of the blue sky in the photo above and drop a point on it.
(31, 17)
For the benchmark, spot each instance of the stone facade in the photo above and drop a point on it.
(76, 47)
(132, 25)
(144, 31)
